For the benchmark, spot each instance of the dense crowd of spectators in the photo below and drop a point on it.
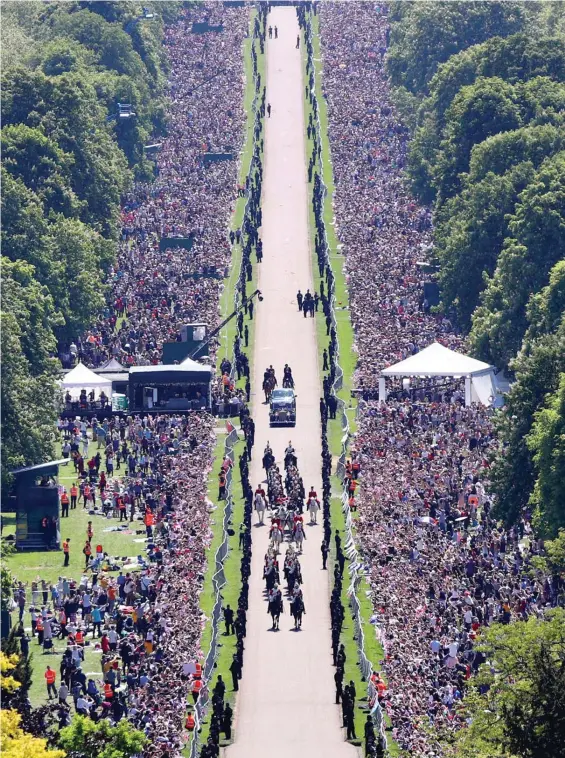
(148, 620)
(440, 566)
(156, 289)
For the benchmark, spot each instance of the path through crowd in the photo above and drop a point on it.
(286, 700)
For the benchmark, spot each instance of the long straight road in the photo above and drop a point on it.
(285, 707)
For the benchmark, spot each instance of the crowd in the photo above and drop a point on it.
(158, 287)
(147, 620)
(440, 566)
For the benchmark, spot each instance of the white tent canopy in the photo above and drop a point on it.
(438, 360)
(82, 378)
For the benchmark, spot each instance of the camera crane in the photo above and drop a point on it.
(245, 302)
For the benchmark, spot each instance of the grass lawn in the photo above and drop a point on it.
(28, 566)
(347, 360)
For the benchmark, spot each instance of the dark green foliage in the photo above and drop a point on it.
(67, 161)
(535, 243)
(427, 34)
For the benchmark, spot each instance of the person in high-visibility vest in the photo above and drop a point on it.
(87, 552)
(198, 672)
(50, 677)
(196, 687)
(190, 722)
(352, 487)
(67, 551)
(64, 504)
(108, 691)
(74, 497)
(149, 521)
(39, 629)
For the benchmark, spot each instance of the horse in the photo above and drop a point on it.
(288, 381)
(275, 609)
(276, 538)
(269, 385)
(271, 576)
(298, 535)
(313, 508)
(296, 610)
(260, 506)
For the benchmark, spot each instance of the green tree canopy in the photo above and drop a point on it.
(546, 443)
(469, 235)
(427, 34)
(534, 245)
(41, 165)
(522, 713)
(86, 739)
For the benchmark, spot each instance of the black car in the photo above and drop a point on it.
(282, 410)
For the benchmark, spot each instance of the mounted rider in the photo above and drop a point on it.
(288, 381)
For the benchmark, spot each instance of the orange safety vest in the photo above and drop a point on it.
(196, 685)
(64, 499)
(39, 625)
(190, 722)
(74, 491)
(108, 691)
(65, 547)
(198, 672)
(79, 637)
(353, 485)
(50, 676)
(149, 519)
(87, 549)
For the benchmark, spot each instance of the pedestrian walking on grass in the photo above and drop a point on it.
(66, 551)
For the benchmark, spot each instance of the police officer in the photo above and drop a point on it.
(324, 551)
(228, 619)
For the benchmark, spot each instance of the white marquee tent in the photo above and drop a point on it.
(82, 378)
(437, 360)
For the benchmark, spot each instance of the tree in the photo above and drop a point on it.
(516, 58)
(427, 34)
(537, 369)
(66, 109)
(86, 739)
(478, 111)
(18, 744)
(84, 257)
(33, 308)
(546, 443)
(470, 230)
(502, 152)
(21, 672)
(28, 413)
(8, 682)
(24, 226)
(535, 244)
(516, 704)
(42, 166)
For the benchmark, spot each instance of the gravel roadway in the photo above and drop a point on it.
(286, 704)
